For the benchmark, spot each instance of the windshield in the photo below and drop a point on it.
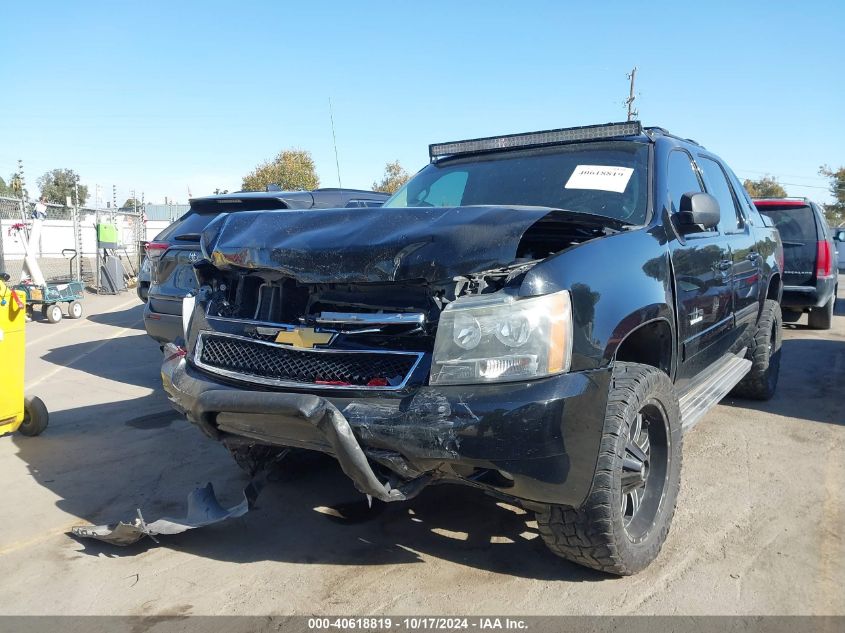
(607, 179)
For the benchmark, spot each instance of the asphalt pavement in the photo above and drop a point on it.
(758, 528)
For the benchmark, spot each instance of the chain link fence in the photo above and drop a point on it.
(67, 245)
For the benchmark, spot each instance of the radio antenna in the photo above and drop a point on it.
(334, 140)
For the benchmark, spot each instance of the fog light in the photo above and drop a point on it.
(515, 366)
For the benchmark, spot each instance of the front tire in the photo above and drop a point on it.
(764, 353)
(622, 525)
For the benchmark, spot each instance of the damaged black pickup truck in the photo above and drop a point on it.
(541, 316)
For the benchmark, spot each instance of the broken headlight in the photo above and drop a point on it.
(499, 337)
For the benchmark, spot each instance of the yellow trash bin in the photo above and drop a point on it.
(29, 415)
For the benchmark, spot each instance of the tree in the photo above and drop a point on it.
(6, 190)
(394, 177)
(131, 204)
(58, 184)
(835, 212)
(13, 188)
(765, 187)
(292, 170)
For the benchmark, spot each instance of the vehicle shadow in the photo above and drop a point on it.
(838, 310)
(103, 462)
(812, 372)
(130, 317)
(131, 358)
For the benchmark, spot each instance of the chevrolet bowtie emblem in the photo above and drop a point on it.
(305, 338)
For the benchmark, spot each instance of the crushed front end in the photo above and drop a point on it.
(412, 359)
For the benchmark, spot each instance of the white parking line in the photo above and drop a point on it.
(69, 364)
(62, 330)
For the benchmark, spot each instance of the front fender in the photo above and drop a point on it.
(617, 284)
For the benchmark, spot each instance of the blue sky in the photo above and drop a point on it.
(162, 96)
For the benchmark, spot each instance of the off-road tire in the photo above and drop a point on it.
(764, 353)
(35, 417)
(594, 535)
(822, 318)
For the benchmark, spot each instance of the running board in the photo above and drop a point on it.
(704, 396)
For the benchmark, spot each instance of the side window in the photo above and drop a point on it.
(447, 191)
(718, 187)
(822, 220)
(747, 208)
(681, 177)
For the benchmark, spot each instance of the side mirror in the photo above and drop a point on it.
(699, 212)
(839, 236)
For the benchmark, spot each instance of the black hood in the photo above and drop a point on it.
(371, 245)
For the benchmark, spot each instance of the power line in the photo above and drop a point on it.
(795, 184)
(768, 173)
(828, 188)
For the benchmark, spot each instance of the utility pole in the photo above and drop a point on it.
(632, 114)
(77, 233)
(21, 180)
(144, 216)
(22, 190)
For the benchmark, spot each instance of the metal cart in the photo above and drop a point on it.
(51, 295)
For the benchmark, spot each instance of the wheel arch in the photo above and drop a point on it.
(637, 345)
(775, 288)
(774, 291)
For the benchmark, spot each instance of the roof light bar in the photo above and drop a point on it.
(534, 139)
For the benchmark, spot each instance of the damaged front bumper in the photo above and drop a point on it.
(534, 441)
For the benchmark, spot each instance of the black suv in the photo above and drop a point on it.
(541, 316)
(810, 272)
(174, 250)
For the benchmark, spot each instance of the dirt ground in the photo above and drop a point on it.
(758, 528)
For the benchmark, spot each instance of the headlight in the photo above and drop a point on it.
(499, 337)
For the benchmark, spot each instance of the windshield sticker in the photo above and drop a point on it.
(600, 178)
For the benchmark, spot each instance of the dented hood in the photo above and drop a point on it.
(370, 244)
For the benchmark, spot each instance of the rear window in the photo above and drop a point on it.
(795, 224)
(191, 222)
(202, 213)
